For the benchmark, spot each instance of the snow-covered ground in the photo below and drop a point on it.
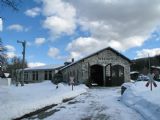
(17, 101)
(97, 104)
(144, 101)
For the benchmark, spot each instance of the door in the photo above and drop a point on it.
(108, 75)
(117, 75)
(97, 74)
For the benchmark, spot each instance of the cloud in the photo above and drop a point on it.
(10, 51)
(1, 24)
(146, 52)
(58, 25)
(33, 12)
(16, 27)
(120, 24)
(82, 46)
(40, 41)
(29, 43)
(53, 52)
(10, 48)
(60, 17)
(35, 64)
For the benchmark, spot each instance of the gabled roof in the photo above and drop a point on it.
(108, 48)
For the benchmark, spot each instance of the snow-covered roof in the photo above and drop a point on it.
(44, 67)
(157, 67)
(108, 48)
(134, 72)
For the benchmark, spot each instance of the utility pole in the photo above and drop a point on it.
(149, 63)
(151, 77)
(23, 53)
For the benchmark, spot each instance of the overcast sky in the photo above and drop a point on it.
(58, 30)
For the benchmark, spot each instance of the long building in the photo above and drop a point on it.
(106, 67)
(40, 73)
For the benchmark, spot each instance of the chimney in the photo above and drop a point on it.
(72, 59)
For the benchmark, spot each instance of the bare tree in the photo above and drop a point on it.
(14, 66)
(3, 58)
(16, 63)
(13, 4)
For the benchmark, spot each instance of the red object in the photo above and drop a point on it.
(147, 84)
(155, 85)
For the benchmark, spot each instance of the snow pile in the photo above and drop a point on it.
(97, 104)
(17, 101)
(146, 102)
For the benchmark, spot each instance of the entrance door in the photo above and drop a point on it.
(117, 75)
(97, 74)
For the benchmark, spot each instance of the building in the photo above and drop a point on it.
(40, 73)
(134, 75)
(156, 71)
(106, 67)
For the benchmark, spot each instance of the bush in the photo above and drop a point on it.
(88, 82)
(57, 78)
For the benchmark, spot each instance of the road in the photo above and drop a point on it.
(97, 104)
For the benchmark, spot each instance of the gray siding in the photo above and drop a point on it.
(41, 75)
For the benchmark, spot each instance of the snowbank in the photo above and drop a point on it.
(146, 102)
(5, 81)
(17, 101)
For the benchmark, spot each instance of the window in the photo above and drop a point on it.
(113, 73)
(50, 75)
(25, 75)
(108, 70)
(121, 72)
(33, 75)
(45, 75)
(36, 75)
(74, 73)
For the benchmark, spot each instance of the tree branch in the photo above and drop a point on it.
(11, 4)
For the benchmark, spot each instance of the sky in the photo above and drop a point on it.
(58, 30)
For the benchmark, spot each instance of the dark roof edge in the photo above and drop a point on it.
(108, 48)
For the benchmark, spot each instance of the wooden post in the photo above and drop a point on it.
(72, 81)
(151, 85)
(72, 86)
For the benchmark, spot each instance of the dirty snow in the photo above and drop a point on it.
(97, 104)
(140, 98)
(17, 101)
